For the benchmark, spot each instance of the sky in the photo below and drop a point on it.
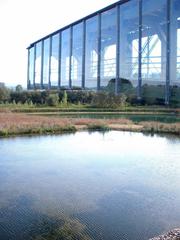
(25, 21)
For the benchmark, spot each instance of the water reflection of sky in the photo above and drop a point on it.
(117, 177)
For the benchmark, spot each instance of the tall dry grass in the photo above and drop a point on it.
(18, 123)
(159, 127)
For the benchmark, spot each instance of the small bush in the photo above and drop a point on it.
(109, 100)
(53, 100)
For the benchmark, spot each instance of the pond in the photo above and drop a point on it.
(113, 185)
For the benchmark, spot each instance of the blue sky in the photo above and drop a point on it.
(25, 21)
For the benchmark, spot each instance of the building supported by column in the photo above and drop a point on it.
(130, 47)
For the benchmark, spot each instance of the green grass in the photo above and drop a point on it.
(37, 130)
(85, 108)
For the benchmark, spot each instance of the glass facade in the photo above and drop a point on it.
(130, 47)
(77, 54)
(54, 61)
(38, 57)
(175, 52)
(154, 49)
(31, 68)
(46, 58)
(65, 57)
(91, 53)
(108, 48)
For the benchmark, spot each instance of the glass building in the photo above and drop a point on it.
(131, 47)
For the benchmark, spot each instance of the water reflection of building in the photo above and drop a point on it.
(136, 40)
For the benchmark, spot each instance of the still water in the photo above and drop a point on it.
(117, 185)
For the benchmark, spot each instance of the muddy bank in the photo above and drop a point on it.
(171, 235)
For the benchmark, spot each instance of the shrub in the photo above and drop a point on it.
(109, 100)
(4, 94)
(53, 100)
(65, 99)
(19, 88)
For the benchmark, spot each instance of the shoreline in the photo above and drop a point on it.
(171, 235)
(21, 124)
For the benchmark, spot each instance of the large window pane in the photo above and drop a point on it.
(175, 52)
(54, 61)
(108, 48)
(76, 59)
(46, 63)
(31, 68)
(154, 45)
(65, 52)
(129, 41)
(91, 53)
(38, 65)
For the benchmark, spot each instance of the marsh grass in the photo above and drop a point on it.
(23, 124)
(17, 124)
(158, 127)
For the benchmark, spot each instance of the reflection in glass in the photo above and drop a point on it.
(54, 61)
(91, 53)
(108, 46)
(65, 52)
(154, 45)
(46, 63)
(76, 58)
(31, 67)
(175, 52)
(129, 41)
(38, 65)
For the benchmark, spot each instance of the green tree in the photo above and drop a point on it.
(4, 94)
(53, 100)
(65, 99)
(19, 88)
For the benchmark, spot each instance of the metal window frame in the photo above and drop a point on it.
(70, 56)
(168, 49)
(28, 66)
(34, 73)
(120, 2)
(139, 88)
(117, 80)
(83, 54)
(50, 54)
(42, 63)
(99, 54)
(59, 61)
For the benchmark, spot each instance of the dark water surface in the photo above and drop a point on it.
(119, 185)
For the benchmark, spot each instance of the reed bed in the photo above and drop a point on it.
(19, 123)
(159, 127)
